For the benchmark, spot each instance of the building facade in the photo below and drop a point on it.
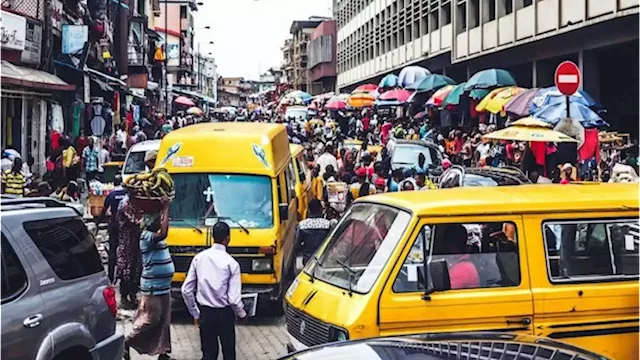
(296, 52)
(322, 58)
(527, 37)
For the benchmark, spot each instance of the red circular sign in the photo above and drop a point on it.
(568, 78)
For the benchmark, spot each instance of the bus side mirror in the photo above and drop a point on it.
(284, 212)
(437, 277)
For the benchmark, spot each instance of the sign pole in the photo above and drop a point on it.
(568, 103)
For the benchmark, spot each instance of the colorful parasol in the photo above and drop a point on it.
(529, 129)
(400, 95)
(412, 74)
(337, 102)
(494, 102)
(195, 111)
(489, 78)
(185, 101)
(365, 88)
(360, 100)
(436, 99)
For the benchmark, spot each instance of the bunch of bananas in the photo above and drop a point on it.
(154, 184)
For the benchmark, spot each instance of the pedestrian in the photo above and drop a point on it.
(150, 159)
(326, 159)
(13, 181)
(128, 262)
(212, 292)
(111, 203)
(90, 160)
(312, 231)
(104, 156)
(68, 193)
(151, 325)
(421, 167)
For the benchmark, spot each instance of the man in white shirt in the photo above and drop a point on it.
(212, 292)
(327, 158)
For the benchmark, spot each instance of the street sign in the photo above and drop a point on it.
(568, 78)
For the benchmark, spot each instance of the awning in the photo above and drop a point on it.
(108, 78)
(103, 85)
(154, 34)
(22, 76)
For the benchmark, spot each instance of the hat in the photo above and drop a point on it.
(566, 166)
(380, 182)
(151, 155)
(361, 171)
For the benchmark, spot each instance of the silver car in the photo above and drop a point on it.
(57, 302)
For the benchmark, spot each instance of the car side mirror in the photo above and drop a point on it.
(437, 277)
(284, 212)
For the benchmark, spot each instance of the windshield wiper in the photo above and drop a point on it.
(190, 224)
(350, 272)
(237, 223)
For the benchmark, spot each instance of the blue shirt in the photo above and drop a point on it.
(113, 200)
(157, 266)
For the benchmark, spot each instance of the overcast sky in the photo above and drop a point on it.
(248, 34)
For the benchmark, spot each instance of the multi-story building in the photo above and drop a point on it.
(527, 37)
(301, 31)
(205, 70)
(322, 58)
(233, 91)
(287, 61)
(175, 23)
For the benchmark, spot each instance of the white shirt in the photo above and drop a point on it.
(483, 150)
(214, 281)
(327, 159)
(103, 158)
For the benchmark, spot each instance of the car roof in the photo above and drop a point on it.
(146, 146)
(295, 149)
(50, 207)
(532, 198)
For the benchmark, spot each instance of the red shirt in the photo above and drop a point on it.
(463, 274)
(591, 146)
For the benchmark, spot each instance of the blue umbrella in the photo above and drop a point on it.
(551, 96)
(412, 74)
(490, 78)
(552, 114)
(389, 81)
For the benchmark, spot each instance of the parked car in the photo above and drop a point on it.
(134, 162)
(57, 302)
(404, 154)
(447, 346)
(458, 176)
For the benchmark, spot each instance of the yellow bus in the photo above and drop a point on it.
(557, 261)
(242, 174)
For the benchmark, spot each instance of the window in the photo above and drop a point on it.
(67, 246)
(135, 162)
(479, 255)
(183, 11)
(291, 181)
(360, 247)
(203, 198)
(14, 278)
(302, 168)
(581, 250)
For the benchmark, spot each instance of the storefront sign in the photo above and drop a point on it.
(13, 31)
(56, 15)
(33, 44)
(74, 37)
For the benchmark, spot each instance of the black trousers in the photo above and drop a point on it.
(113, 245)
(217, 323)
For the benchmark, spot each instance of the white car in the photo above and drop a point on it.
(134, 162)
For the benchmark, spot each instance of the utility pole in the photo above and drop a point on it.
(46, 61)
(166, 60)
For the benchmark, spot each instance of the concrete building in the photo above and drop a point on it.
(205, 71)
(527, 37)
(322, 58)
(176, 23)
(301, 31)
(287, 61)
(233, 91)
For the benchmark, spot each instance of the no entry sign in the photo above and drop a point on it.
(568, 78)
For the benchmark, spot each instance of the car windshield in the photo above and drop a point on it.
(471, 180)
(240, 199)
(407, 154)
(360, 247)
(135, 162)
(296, 113)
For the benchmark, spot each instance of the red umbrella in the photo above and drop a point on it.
(420, 115)
(365, 87)
(400, 95)
(336, 104)
(183, 100)
(313, 106)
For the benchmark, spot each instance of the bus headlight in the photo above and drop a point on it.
(261, 265)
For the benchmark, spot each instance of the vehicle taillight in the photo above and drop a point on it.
(109, 294)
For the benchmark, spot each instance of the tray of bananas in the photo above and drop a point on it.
(151, 185)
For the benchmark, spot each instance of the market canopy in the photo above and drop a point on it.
(31, 78)
(490, 78)
(431, 82)
(360, 100)
(495, 100)
(338, 102)
(438, 96)
(183, 100)
(552, 114)
(194, 110)
(389, 81)
(520, 104)
(551, 96)
(412, 74)
(365, 88)
(400, 95)
(529, 130)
